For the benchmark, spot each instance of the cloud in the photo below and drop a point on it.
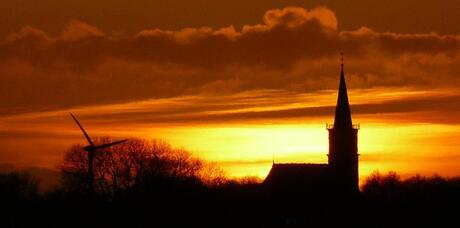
(253, 107)
(76, 30)
(394, 43)
(27, 34)
(293, 49)
(293, 17)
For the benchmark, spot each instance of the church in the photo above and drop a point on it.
(340, 174)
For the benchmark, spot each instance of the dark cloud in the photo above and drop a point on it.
(257, 107)
(428, 109)
(416, 108)
(402, 16)
(294, 49)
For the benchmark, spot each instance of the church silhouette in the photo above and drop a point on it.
(340, 175)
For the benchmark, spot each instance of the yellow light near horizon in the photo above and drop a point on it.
(395, 141)
(251, 142)
(244, 150)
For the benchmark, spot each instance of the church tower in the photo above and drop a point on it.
(343, 142)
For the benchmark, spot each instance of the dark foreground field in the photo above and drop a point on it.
(385, 201)
(150, 184)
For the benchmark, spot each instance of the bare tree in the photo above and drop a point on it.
(134, 165)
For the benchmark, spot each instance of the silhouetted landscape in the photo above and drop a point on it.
(139, 183)
(229, 113)
(149, 184)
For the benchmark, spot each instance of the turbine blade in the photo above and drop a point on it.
(83, 130)
(111, 144)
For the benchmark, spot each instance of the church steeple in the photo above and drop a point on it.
(342, 111)
(343, 141)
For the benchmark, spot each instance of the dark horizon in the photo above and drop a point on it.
(227, 113)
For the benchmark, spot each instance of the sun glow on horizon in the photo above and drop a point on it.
(249, 149)
(244, 136)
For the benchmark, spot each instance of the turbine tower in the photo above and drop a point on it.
(91, 149)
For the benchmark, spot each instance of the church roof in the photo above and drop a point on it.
(292, 173)
(342, 111)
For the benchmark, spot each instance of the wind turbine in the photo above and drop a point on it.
(91, 149)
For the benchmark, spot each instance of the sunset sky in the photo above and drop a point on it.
(234, 82)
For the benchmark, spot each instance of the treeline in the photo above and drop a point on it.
(413, 190)
(151, 184)
(415, 201)
(138, 183)
(136, 166)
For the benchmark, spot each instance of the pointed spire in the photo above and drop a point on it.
(342, 110)
(341, 59)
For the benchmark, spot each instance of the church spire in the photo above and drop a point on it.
(342, 110)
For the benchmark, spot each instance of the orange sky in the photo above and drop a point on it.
(233, 83)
